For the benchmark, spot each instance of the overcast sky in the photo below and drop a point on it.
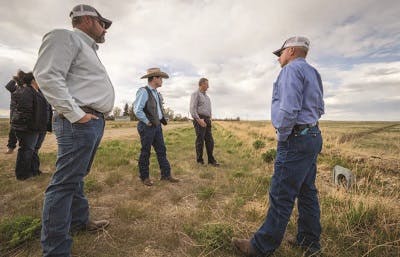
(355, 45)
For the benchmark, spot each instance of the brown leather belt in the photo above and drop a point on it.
(86, 110)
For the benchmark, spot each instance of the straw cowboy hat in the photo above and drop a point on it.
(155, 72)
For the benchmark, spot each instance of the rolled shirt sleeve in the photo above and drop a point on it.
(56, 55)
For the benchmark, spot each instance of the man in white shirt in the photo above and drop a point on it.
(76, 84)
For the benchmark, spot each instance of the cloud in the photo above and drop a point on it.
(370, 91)
(228, 41)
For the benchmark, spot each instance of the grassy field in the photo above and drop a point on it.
(198, 216)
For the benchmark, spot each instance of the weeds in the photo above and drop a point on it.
(92, 185)
(206, 193)
(129, 212)
(14, 232)
(212, 236)
(269, 156)
(361, 217)
(113, 178)
(258, 144)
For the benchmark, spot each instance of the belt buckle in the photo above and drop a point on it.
(304, 131)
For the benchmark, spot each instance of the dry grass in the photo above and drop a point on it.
(198, 216)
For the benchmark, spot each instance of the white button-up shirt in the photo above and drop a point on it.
(70, 74)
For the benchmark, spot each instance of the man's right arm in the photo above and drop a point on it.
(56, 54)
(139, 104)
(291, 99)
(193, 106)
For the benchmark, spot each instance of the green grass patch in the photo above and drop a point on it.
(116, 153)
(361, 217)
(18, 230)
(258, 144)
(269, 156)
(130, 212)
(212, 236)
(113, 178)
(206, 193)
(207, 175)
(92, 185)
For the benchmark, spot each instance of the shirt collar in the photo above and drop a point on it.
(88, 40)
(153, 89)
(299, 59)
(202, 92)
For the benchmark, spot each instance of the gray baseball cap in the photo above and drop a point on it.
(293, 41)
(83, 9)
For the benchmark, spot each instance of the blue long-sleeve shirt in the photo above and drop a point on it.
(297, 97)
(140, 102)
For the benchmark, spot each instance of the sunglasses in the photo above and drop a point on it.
(101, 23)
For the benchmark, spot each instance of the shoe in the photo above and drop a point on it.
(308, 250)
(93, 226)
(170, 179)
(147, 182)
(200, 162)
(215, 163)
(9, 151)
(39, 172)
(244, 246)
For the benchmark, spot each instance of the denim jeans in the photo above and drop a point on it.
(152, 136)
(294, 177)
(12, 139)
(204, 135)
(65, 205)
(28, 163)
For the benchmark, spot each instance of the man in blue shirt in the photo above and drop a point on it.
(148, 110)
(297, 105)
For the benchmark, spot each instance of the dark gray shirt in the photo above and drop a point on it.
(200, 104)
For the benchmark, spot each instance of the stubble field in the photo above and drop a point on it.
(199, 215)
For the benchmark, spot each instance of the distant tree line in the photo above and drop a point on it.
(128, 111)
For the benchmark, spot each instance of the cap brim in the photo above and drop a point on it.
(278, 52)
(107, 23)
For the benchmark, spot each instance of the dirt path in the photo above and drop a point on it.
(50, 143)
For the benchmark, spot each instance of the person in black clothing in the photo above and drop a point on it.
(12, 138)
(31, 118)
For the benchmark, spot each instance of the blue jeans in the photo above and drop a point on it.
(294, 177)
(152, 136)
(28, 163)
(65, 205)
